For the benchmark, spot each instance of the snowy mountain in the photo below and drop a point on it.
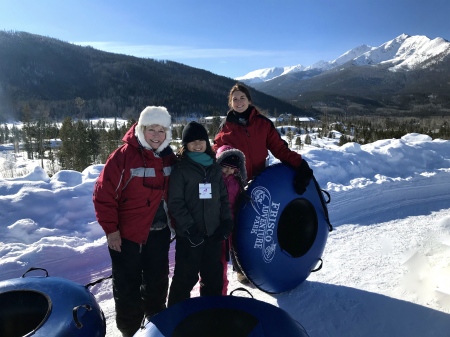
(404, 53)
(266, 74)
(407, 76)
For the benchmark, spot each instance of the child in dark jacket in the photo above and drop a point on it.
(198, 203)
(234, 173)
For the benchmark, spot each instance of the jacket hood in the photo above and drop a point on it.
(225, 151)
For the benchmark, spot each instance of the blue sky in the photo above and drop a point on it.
(229, 38)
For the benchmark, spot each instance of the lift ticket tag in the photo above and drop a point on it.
(204, 191)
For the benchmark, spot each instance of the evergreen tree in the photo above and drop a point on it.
(82, 158)
(214, 127)
(7, 134)
(298, 143)
(67, 149)
(175, 133)
(52, 165)
(116, 135)
(15, 139)
(289, 136)
(27, 130)
(130, 123)
(308, 139)
(93, 140)
(104, 145)
(343, 140)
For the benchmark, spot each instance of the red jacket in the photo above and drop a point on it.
(254, 140)
(121, 200)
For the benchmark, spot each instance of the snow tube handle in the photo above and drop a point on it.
(98, 281)
(319, 267)
(78, 324)
(324, 202)
(241, 289)
(328, 195)
(34, 268)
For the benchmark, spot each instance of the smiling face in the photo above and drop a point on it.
(154, 135)
(239, 101)
(196, 146)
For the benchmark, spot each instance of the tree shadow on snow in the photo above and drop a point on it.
(327, 310)
(397, 200)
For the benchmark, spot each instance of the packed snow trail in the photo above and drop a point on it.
(363, 218)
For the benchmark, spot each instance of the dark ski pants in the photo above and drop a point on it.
(189, 262)
(140, 279)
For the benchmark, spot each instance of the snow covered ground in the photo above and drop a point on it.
(386, 265)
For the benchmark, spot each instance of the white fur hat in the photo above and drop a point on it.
(154, 115)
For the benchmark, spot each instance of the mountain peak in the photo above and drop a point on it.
(266, 74)
(404, 52)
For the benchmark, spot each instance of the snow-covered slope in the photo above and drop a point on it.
(385, 265)
(262, 75)
(344, 58)
(404, 52)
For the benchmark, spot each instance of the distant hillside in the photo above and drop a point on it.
(409, 75)
(369, 90)
(45, 76)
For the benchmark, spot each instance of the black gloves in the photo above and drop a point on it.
(302, 177)
(221, 233)
(194, 236)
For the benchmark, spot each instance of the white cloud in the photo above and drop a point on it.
(179, 52)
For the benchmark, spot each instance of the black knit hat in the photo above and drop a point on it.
(230, 161)
(193, 131)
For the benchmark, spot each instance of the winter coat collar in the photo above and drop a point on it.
(231, 116)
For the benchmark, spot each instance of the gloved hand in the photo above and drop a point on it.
(302, 177)
(221, 233)
(194, 236)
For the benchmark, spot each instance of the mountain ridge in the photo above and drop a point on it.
(364, 55)
(409, 74)
(47, 77)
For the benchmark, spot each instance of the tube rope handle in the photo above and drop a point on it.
(78, 324)
(324, 202)
(319, 267)
(241, 289)
(35, 268)
(98, 281)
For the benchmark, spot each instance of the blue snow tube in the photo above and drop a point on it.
(48, 306)
(222, 316)
(280, 235)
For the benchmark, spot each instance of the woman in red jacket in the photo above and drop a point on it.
(246, 129)
(130, 204)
